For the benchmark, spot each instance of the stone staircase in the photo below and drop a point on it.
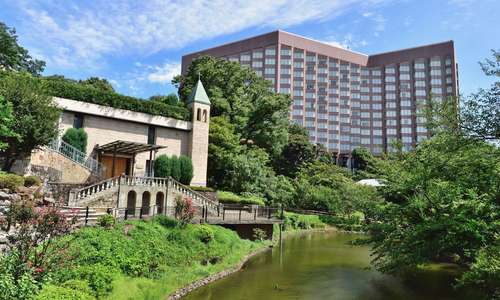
(85, 216)
(77, 156)
(106, 192)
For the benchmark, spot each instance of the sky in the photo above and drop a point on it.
(138, 45)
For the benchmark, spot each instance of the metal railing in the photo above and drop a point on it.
(77, 156)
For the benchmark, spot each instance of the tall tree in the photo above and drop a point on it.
(6, 122)
(480, 111)
(13, 56)
(35, 116)
(98, 83)
(170, 99)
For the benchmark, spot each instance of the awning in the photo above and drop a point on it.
(124, 147)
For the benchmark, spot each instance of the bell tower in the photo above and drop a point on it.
(199, 103)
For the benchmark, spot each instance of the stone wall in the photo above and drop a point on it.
(54, 167)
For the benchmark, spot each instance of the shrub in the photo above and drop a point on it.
(99, 278)
(86, 93)
(184, 210)
(202, 188)
(163, 166)
(231, 198)
(167, 222)
(186, 169)
(259, 234)
(32, 180)
(76, 138)
(16, 280)
(175, 168)
(51, 292)
(10, 181)
(205, 234)
(78, 285)
(106, 221)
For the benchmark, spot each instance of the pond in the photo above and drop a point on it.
(324, 265)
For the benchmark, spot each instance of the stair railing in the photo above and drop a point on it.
(77, 156)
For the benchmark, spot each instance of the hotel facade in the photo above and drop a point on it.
(346, 99)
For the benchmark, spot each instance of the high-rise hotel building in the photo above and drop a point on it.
(346, 99)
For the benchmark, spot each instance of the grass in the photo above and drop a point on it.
(294, 221)
(147, 259)
(231, 198)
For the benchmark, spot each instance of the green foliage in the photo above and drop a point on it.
(35, 115)
(6, 121)
(10, 181)
(98, 83)
(184, 210)
(175, 165)
(13, 57)
(202, 188)
(186, 169)
(156, 250)
(205, 234)
(259, 235)
(16, 281)
(170, 99)
(294, 221)
(163, 166)
(32, 180)
(231, 198)
(88, 93)
(51, 292)
(106, 221)
(76, 137)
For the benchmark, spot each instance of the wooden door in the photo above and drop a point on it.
(121, 165)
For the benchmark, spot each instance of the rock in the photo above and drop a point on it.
(4, 195)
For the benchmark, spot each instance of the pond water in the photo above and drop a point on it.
(324, 265)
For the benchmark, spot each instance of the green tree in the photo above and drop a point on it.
(480, 112)
(76, 138)
(170, 99)
(6, 121)
(98, 83)
(13, 56)
(175, 168)
(163, 166)
(35, 116)
(186, 169)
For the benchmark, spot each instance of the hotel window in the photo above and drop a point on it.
(436, 81)
(298, 93)
(333, 73)
(256, 64)
(355, 130)
(344, 67)
(420, 74)
(270, 61)
(448, 80)
(270, 71)
(376, 98)
(404, 76)
(285, 80)
(365, 106)
(376, 72)
(365, 131)
(377, 132)
(323, 70)
(420, 92)
(355, 96)
(377, 106)
(448, 61)
(257, 54)
(390, 70)
(258, 72)
(344, 93)
(298, 54)
(78, 121)
(419, 83)
(390, 105)
(298, 74)
(404, 94)
(390, 79)
(435, 63)
(233, 59)
(365, 72)
(310, 76)
(311, 58)
(365, 98)
(285, 51)
(298, 64)
(404, 68)
(390, 96)
(377, 115)
(285, 71)
(365, 114)
(391, 122)
(376, 89)
(365, 123)
(298, 102)
(152, 131)
(406, 112)
(419, 65)
(448, 71)
(405, 103)
(365, 141)
(436, 72)
(407, 139)
(436, 90)
(285, 90)
(322, 79)
(298, 84)
(286, 62)
(377, 141)
(391, 131)
(390, 113)
(377, 123)
(310, 95)
(270, 51)
(310, 114)
(245, 57)
(421, 129)
(406, 121)
(298, 112)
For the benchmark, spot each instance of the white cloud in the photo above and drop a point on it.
(165, 73)
(349, 41)
(81, 34)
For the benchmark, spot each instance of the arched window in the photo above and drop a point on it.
(205, 115)
(198, 114)
(159, 203)
(146, 203)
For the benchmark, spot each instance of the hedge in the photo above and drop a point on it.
(231, 198)
(85, 93)
(180, 168)
(76, 138)
(10, 181)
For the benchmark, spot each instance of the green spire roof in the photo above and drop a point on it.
(198, 94)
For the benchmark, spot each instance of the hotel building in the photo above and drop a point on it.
(347, 99)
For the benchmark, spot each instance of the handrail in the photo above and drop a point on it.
(76, 155)
(96, 187)
(205, 200)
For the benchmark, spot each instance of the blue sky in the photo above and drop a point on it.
(138, 45)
